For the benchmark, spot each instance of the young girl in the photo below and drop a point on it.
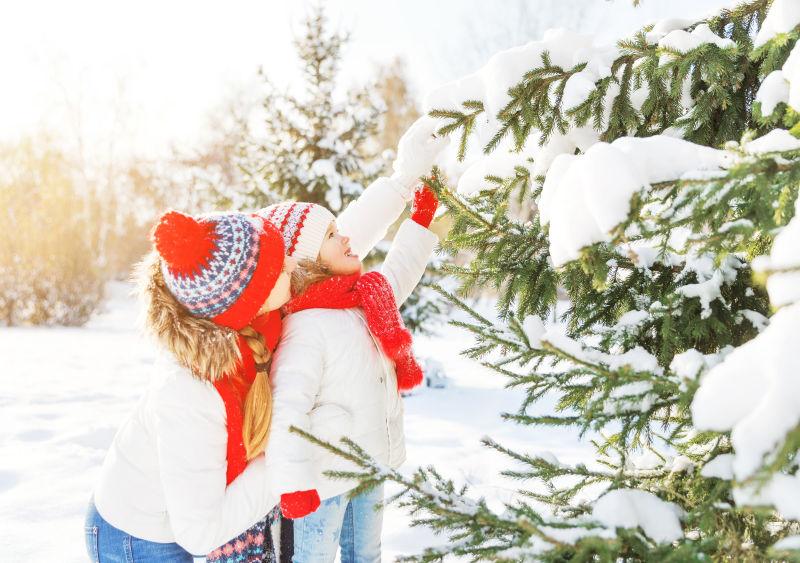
(343, 359)
(186, 471)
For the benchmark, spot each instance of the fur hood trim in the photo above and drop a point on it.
(208, 350)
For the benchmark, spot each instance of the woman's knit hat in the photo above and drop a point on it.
(220, 267)
(303, 226)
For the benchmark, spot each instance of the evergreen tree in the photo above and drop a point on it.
(53, 256)
(665, 173)
(316, 146)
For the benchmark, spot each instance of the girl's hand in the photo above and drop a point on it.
(299, 504)
(424, 208)
(417, 151)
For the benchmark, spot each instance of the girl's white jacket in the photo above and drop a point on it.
(331, 378)
(163, 479)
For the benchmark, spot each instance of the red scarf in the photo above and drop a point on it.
(234, 389)
(374, 295)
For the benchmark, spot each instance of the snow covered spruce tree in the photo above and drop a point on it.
(655, 293)
(319, 145)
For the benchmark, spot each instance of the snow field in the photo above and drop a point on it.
(65, 392)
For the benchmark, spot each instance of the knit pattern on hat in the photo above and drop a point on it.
(217, 283)
(303, 226)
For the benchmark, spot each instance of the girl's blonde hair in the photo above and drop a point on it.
(208, 350)
(307, 273)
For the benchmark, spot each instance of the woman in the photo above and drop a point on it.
(186, 471)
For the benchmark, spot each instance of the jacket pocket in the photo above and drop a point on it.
(90, 534)
(330, 422)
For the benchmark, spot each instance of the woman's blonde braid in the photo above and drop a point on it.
(258, 404)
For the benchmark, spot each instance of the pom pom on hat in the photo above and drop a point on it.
(185, 244)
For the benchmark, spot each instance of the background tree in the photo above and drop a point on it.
(663, 179)
(50, 260)
(316, 146)
(323, 145)
(325, 148)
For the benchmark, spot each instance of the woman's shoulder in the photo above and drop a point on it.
(173, 382)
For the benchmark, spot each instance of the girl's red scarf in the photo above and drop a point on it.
(233, 390)
(374, 295)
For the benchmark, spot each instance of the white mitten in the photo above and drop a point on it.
(416, 154)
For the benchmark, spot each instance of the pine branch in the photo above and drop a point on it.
(432, 494)
(463, 121)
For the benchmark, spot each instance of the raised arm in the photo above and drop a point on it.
(412, 247)
(366, 220)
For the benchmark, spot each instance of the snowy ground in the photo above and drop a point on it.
(65, 391)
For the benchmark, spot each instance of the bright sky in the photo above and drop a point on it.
(144, 74)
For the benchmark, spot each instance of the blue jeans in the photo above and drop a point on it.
(352, 524)
(107, 544)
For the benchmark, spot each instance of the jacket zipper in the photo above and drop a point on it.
(385, 381)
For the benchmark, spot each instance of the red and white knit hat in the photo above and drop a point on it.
(220, 267)
(303, 226)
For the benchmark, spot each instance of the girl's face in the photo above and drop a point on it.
(336, 255)
(280, 293)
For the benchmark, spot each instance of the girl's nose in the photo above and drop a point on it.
(346, 240)
(289, 264)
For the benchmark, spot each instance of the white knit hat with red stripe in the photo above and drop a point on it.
(303, 226)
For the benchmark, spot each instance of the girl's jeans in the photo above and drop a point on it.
(107, 544)
(352, 524)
